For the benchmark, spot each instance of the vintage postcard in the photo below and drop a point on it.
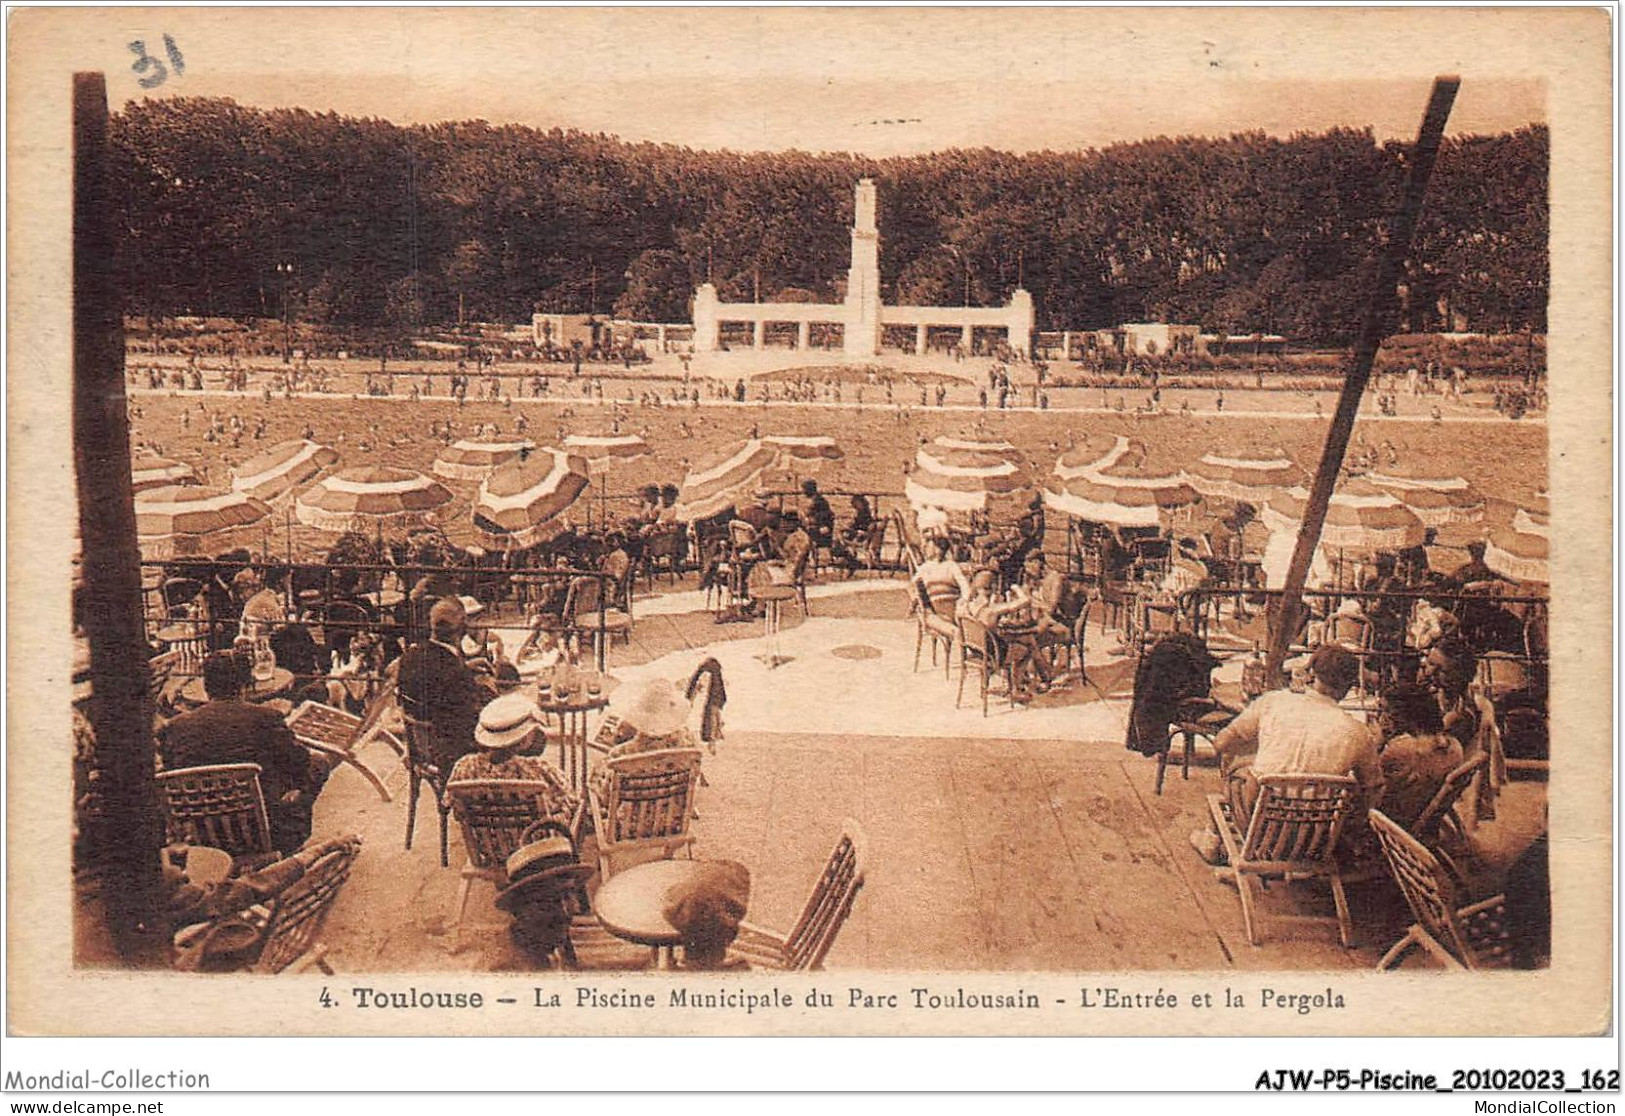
(801, 521)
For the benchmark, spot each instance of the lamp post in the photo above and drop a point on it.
(964, 265)
(285, 273)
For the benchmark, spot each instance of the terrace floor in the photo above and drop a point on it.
(1025, 840)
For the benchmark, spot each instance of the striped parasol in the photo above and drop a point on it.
(366, 498)
(282, 468)
(157, 472)
(470, 460)
(968, 475)
(1437, 500)
(1250, 476)
(1127, 492)
(1096, 451)
(1519, 552)
(604, 451)
(523, 504)
(180, 521)
(720, 485)
(1360, 516)
(803, 454)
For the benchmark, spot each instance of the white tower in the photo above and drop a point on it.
(862, 327)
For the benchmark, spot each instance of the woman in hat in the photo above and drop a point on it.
(509, 726)
(655, 718)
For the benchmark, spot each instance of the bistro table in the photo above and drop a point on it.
(588, 692)
(772, 598)
(280, 682)
(632, 903)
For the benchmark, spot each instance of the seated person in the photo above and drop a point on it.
(543, 646)
(1020, 653)
(706, 909)
(228, 729)
(648, 512)
(1416, 754)
(263, 609)
(352, 672)
(438, 687)
(655, 718)
(1047, 588)
(942, 578)
(1286, 732)
(667, 516)
(816, 515)
(509, 730)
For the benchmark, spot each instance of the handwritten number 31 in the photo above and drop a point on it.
(156, 73)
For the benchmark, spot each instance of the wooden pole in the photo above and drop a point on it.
(121, 708)
(1374, 327)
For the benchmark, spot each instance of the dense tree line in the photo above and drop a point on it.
(402, 227)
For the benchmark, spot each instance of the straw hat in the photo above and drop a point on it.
(656, 710)
(506, 721)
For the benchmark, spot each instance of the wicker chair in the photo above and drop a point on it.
(642, 807)
(296, 915)
(1438, 822)
(1291, 836)
(823, 915)
(422, 767)
(1470, 937)
(979, 650)
(494, 815)
(220, 806)
(932, 625)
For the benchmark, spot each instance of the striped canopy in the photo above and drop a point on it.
(282, 468)
(1360, 516)
(605, 450)
(523, 504)
(958, 475)
(471, 460)
(157, 472)
(364, 498)
(803, 454)
(1127, 492)
(1519, 552)
(1097, 451)
(721, 484)
(1252, 476)
(1437, 500)
(179, 521)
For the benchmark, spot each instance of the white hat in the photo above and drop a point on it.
(471, 606)
(656, 710)
(506, 721)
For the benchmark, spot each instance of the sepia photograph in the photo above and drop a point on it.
(984, 538)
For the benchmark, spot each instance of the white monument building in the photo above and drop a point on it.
(862, 318)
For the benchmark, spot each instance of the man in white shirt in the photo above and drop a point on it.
(1290, 733)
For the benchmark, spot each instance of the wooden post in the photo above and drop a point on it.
(1374, 327)
(121, 708)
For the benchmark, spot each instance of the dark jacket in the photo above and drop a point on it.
(1178, 668)
(238, 732)
(436, 686)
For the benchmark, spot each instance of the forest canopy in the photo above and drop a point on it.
(375, 224)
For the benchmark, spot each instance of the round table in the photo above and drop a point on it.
(773, 598)
(280, 682)
(384, 598)
(631, 904)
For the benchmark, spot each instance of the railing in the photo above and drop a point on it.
(331, 595)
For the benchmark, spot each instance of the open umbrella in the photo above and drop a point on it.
(721, 484)
(471, 460)
(364, 499)
(1096, 451)
(803, 454)
(523, 504)
(1519, 552)
(1127, 492)
(604, 451)
(1250, 476)
(1438, 500)
(179, 521)
(157, 472)
(282, 468)
(1360, 516)
(952, 476)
